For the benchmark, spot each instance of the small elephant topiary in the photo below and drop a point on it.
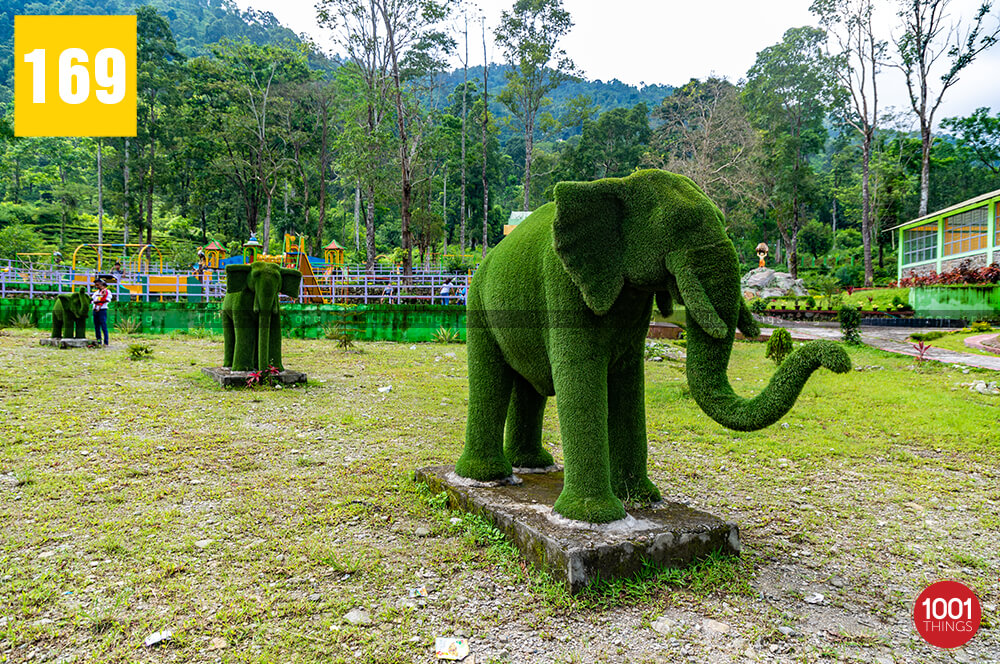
(251, 315)
(562, 306)
(69, 315)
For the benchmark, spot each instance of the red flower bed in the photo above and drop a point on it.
(963, 274)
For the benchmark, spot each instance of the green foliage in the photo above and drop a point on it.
(251, 314)
(128, 325)
(139, 350)
(345, 328)
(981, 326)
(849, 238)
(70, 314)
(758, 305)
(18, 238)
(927, 336)
(850, 324)
(979, 133)
(779, 345)
(447, 336)
(815, 238)
(22, 321)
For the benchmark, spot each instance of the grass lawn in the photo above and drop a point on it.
(956, 342)
(137, 497)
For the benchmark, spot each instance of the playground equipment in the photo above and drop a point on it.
(140, 262)
(251, 249)
(333, 255)
(214, 253)
(297, 258)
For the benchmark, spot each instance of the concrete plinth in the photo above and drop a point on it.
(229, 378)
(578, 553)
(69, 343)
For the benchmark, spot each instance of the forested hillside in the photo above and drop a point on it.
(195, 24)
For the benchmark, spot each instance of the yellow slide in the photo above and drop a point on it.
(312, 292)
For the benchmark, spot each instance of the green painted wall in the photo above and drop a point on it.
(384, 322)
(969, 302)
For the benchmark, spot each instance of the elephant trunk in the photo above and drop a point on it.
(708, 360)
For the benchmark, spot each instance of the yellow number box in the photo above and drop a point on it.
(74, 75)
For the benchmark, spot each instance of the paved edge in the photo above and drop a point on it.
(579, 557)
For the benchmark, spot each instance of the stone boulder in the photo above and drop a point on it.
(765, 282)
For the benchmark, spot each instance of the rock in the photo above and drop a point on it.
(715, 627)
(387, 388)
(814, 598)
(787, 631)
(358, 617)
(204, 543)
(765, 282)
(422, 531)
(663, 625)
(455, 520)
(157, 638)
(218, 643)
(315, 597)
(838, 582)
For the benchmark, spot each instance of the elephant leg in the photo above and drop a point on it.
(523, 435)
(627, 433)
(228, 339)
(490, 382)
(275, 342)
(245, 345)
(56, 325)
(582, 399)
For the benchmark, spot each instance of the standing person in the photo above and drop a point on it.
(100, 298)
(445, 292)
(117, 272)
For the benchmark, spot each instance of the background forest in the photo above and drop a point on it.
(245, 128)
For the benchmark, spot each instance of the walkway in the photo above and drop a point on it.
(891, 339)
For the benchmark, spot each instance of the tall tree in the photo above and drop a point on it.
(704, 133)
(980, 134)
(157, 76)
(925, 38)
(529, 35)
(857, 61)
(413, 43)
(787, 91)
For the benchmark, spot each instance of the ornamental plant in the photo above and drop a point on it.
(779, 345)
(850, 324)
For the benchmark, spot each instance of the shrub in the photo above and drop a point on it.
(850, 324)
(138, 351)
(127, 325)
(779, 345)
(22, 321)
(447, 336)
(927, 336)
(981, 326)
(758, 305)
(810, 302)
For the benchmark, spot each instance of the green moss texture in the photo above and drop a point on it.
(561, 307)
(251, 314)
(69, 315)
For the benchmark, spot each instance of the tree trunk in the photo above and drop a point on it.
(406, 168)
(866, 205)
(100, 201)
(125, 175)
(925, 165)
(486, 119)
(529, 146)
(357, 217)
(465, 96)
(323, 158)
(370, 227)
(152, 168)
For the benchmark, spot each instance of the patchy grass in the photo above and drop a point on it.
(956, 342)
(137, 496)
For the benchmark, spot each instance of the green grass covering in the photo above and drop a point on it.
(561, 308)
(251, 314)
(69, 315)
(116, 472)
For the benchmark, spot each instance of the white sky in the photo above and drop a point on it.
(671, 41)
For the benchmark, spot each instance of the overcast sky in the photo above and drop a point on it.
(670, 41)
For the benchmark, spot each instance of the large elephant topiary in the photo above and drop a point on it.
(251, 316)
(69, 315)
(561, 307)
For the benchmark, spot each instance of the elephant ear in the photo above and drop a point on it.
(236, 277)
(587, 237)
(290, 281)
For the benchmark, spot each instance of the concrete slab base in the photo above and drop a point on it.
(579, 553)
(226, 377)
(69, 343)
